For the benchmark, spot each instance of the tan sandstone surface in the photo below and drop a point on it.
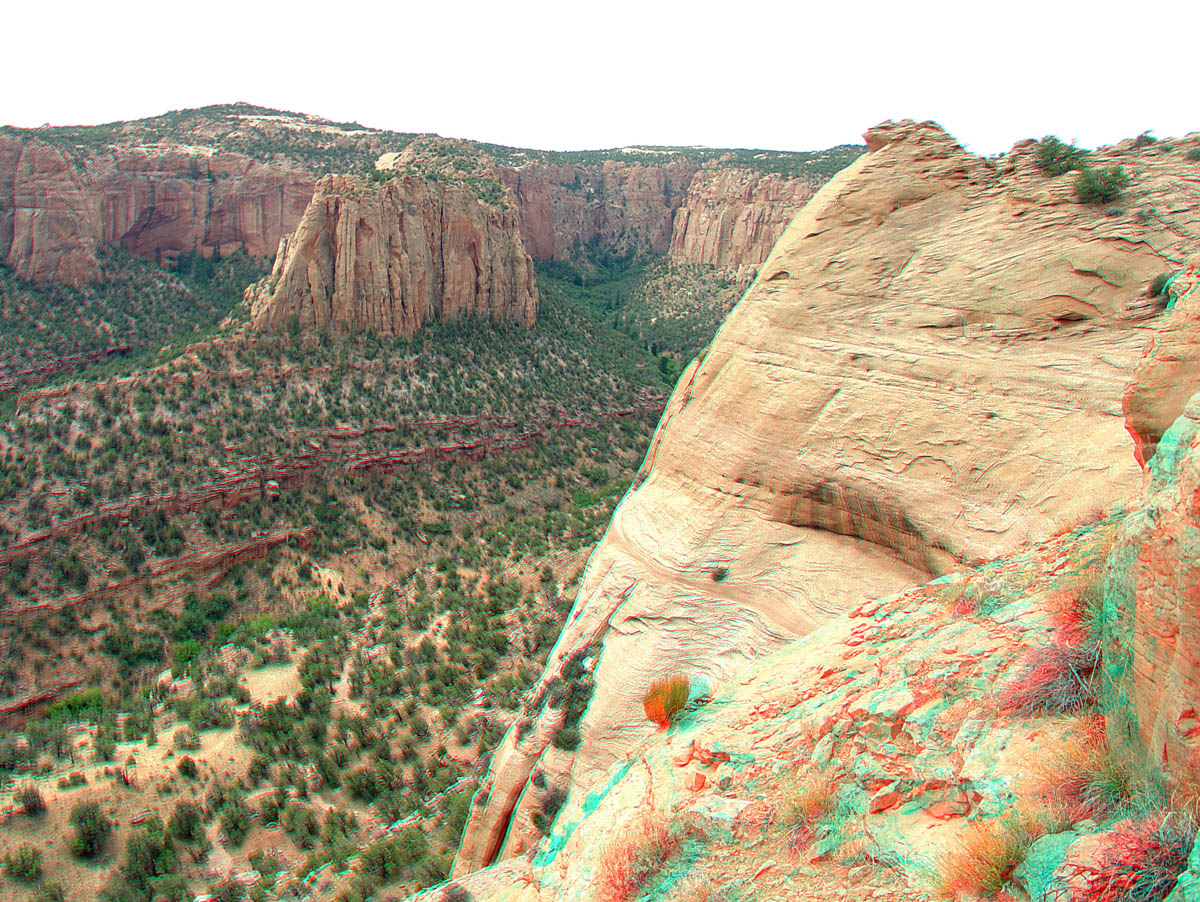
(928, 372)
(891, 708)
(393, 256)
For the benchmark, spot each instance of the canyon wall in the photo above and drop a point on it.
(731, 218)
(612, 206)
(58, 206)
(717, 215)
(390, 257)
(927, 373)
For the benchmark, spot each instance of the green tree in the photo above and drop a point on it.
(91, 829)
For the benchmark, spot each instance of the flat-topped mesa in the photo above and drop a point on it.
(390, 256)
(928, 371)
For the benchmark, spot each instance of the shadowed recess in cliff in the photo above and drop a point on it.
(841, 509)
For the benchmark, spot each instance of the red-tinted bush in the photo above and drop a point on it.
(665, 699)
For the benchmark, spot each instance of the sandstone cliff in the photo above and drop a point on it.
(731, 218)
(57, 206)
(928, 372)
(393, 256)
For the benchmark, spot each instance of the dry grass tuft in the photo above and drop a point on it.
(633, 861)
(1056, 679)
(1087, 778)
(988, 852)
(665, 699)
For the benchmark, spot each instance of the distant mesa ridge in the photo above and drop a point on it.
(220, 179)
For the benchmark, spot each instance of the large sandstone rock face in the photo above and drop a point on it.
(57, 208)
(732, 218)
(716, 215)
(928, 372)
(393, 256)
(49, 220)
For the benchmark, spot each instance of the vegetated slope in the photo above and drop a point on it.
(46, 328)
(905, 390)
(211, 428)
(395, 516)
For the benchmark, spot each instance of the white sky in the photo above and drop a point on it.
(567, 75)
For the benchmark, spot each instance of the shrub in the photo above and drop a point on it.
(186, 739)
(301, 824)
(1057, 158)
(105, 747)
(50, 892)
(187, 767)
(31, 801)
(665, 699)
(987, 854)
(551, 805)
(393, 858)
(1100, 186)
(1194, 154)
(91, 829)
(235, 820)
(149, 860)
(1145, 139)
(228, 890)
(24, 863)
(719, 574)
(455, 893)
(631, 863)
(1141, 862)
(187, 822)
(568, 739)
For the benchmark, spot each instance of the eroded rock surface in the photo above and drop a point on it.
(392, 256)
(928, 372)
(1169, 372)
